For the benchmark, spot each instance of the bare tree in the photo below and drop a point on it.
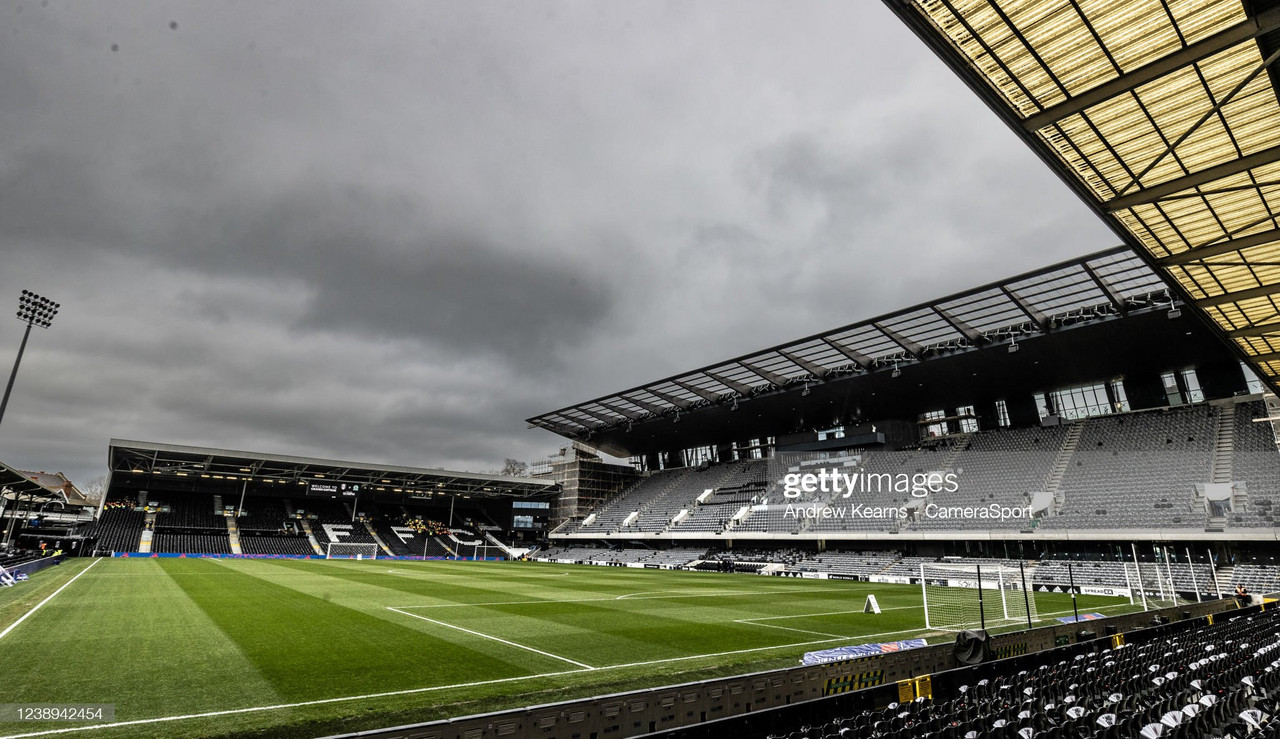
(514, 468)
(95, 489)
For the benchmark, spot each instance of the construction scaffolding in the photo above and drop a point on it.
(585, 480)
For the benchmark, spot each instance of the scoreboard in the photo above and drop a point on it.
(328, 489)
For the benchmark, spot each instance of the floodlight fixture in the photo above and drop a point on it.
(34, 310)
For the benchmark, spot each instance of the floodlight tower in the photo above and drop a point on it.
(36, 311)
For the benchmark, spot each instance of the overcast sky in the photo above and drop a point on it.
(390, 232)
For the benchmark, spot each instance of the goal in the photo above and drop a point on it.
(967, 596)
(350, 550)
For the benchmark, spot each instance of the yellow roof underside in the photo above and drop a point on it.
(1038, 54)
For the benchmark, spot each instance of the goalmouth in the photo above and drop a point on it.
(349, 550)
(967, 596)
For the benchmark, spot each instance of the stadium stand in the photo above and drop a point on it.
(770, 518)
(859, 563)
(784, 556)
(742, 484)
(190, 526)
(1143, 469)
(999, 467)
(1255, 468)
(1258, 578)
(189, 511)
(168, 542)
(571, 552)
(401, 540)
(335, 524)
(662, 557)
(1138, 470)
(263, 514)
(256, 543)
(119, 528)
(1219, 680)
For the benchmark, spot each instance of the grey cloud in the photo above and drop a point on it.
(392, 231)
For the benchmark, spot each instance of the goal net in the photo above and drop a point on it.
(1154, 583)
(965, 596)
(349, 550)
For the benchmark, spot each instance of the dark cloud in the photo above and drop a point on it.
(392, 231)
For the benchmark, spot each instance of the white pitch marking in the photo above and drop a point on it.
(828, 613)
(753, 649)
(283, 706)
(597, 600)
(494, 638)
(14, 625)
(412, 691)
(749, 622)
(660, 594)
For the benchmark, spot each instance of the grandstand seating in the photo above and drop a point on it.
(402, 543)
(165, 542)
(337, 517)
(638, 494)
(999, 467)
(908, 462)
(254, 543)
(1154, 576)
(1257, 465)
(762, 556)
(189, 511)
(770, 518)
(119, 528)
(742, 484)
(1221, 679)
(1131, 470)
(190, 526)
(668, 557)
(262, 514)
(1258, 578)
(1138, 470)
(860, 564)
(564, 552)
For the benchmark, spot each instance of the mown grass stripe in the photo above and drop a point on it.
(309, 647)
(39, 605)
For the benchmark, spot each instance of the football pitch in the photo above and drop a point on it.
(259, 647)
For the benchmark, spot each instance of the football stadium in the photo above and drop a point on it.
(1043, 506)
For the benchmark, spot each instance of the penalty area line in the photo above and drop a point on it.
(14, 625)
(494, 638)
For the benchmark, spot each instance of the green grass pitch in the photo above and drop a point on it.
(238, 647)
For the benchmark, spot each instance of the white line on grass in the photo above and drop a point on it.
(282, 706)
(649, 594)
(14, 625)
(828, 613)
(412, 691)
(749, 622)
(754, 649)
(664, 594)
(494, 638)
(1040, 617)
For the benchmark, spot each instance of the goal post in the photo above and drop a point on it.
(350, 550)
(969, 596)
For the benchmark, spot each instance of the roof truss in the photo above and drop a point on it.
(1164, 117)
(1096, 287)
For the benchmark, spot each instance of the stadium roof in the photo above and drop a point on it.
(941, 347)
(41, 486)
(1162, 116)
(212, 468)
